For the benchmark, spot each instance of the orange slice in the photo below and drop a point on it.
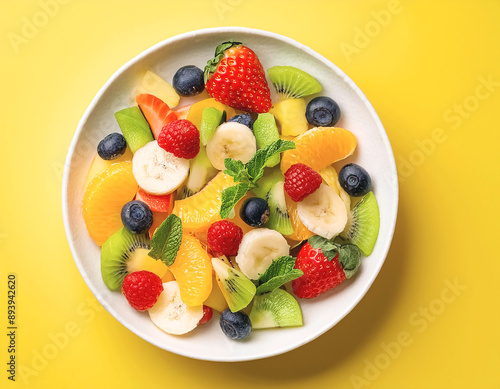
(192, 270)
(300, 231)
(320, 147)
(104, 198)
(199, 211)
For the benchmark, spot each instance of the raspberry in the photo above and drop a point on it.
(224, 237)
(181, 138)
(301, 181)
(207, 315)
(320, 274)
(142, 289)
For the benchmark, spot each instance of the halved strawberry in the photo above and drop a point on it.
(156, 203)
(160, 205)
(156, 112)
(182, 113)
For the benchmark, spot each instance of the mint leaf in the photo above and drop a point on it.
(350, 259)
(167, 240)
(236, 169)
(277, 267)
(277, 274)
(327, 246)
(276, 282)
(257, 163)
(230, 196)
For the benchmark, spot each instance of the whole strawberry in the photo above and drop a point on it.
(235, 77)
(142, 289)
(321, 273)
(181, 138)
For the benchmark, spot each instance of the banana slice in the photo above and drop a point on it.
(231, 140)
(257, 250)
(171, 315)
(157, 171)
(323, 212)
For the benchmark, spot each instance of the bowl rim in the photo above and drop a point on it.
(233, 30)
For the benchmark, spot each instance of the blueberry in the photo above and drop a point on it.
(355, 180)
(322, 111)
(137, 217)
(254, 211)
(112, 146)
(243, 118)
(188, 81)
(235, 325)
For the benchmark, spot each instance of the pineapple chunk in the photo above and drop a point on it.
(158, 87)
(291, 115)
(140, 260)
(216, 299)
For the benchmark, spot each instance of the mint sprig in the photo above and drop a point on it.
(277, 274)
(167, 240)
(246, 175)
(259, 160)
(349, 254)
(236, 169)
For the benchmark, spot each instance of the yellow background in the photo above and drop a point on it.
(416, 69)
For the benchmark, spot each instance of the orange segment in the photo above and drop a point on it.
(158, 219)
(196, 111)
(199, 211)
(320, 147)
(99, 164)
(192, 270)
(106, 194)
(300, 231)
(168, 277)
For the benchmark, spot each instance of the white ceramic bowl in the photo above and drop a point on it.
(374, 153)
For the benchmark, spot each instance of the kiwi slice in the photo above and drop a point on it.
(363, 224)
(278, 215)
(266, 183)
(210, 119)
(237, 289)
(276, 309)
(135, 127)
(293, 83)
(116, 252)
(266, 132)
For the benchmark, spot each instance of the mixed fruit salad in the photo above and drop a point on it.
(230, 204)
